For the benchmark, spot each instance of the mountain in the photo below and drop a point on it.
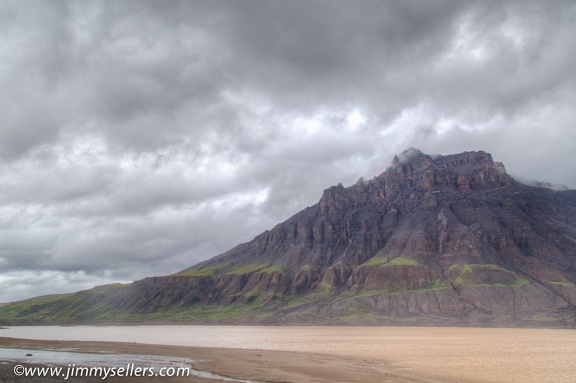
(433, 240)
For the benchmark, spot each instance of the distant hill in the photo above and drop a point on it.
(433, 240)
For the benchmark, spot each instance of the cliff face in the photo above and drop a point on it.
(432, 240)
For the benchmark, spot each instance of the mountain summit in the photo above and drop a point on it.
(443, 240)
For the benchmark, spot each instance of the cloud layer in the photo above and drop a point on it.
(140, 137)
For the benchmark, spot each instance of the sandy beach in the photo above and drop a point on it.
(254, 365)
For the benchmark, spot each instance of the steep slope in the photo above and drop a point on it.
(432, 240)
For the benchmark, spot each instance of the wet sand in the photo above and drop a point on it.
(255, 365)
(466, 355)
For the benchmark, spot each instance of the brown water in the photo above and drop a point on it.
(457, 354)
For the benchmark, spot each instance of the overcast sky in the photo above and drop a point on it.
(138, 138)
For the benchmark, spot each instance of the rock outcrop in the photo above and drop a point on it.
(432, 240)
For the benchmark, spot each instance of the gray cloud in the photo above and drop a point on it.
(138, 138)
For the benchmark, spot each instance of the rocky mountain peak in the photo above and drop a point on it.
(442, 240)
(463, 171)
(462, 162)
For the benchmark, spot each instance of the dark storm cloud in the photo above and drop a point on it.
(139, 137)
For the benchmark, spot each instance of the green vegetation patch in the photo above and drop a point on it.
(86, 304)
(468, 268)
(218, 313)
(357, 313)
(254, 293)
(402, 262)
(517, 282)
(384, 261)
(295, 301)
(273, 269)
(563, 283)
(207, 272)
(23, 309)
(241, 270)
(435, 285)
(201, 271)
(326, 287)
(464, 269)
(376, 261)
(212, 313)
(263, 268)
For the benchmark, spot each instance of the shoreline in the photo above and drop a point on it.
(4, 324)
(243, 364)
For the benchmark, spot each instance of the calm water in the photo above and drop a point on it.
(462, 354)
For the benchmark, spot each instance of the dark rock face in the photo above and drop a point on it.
(432, 240)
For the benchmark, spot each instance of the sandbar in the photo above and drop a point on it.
(254, 365)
